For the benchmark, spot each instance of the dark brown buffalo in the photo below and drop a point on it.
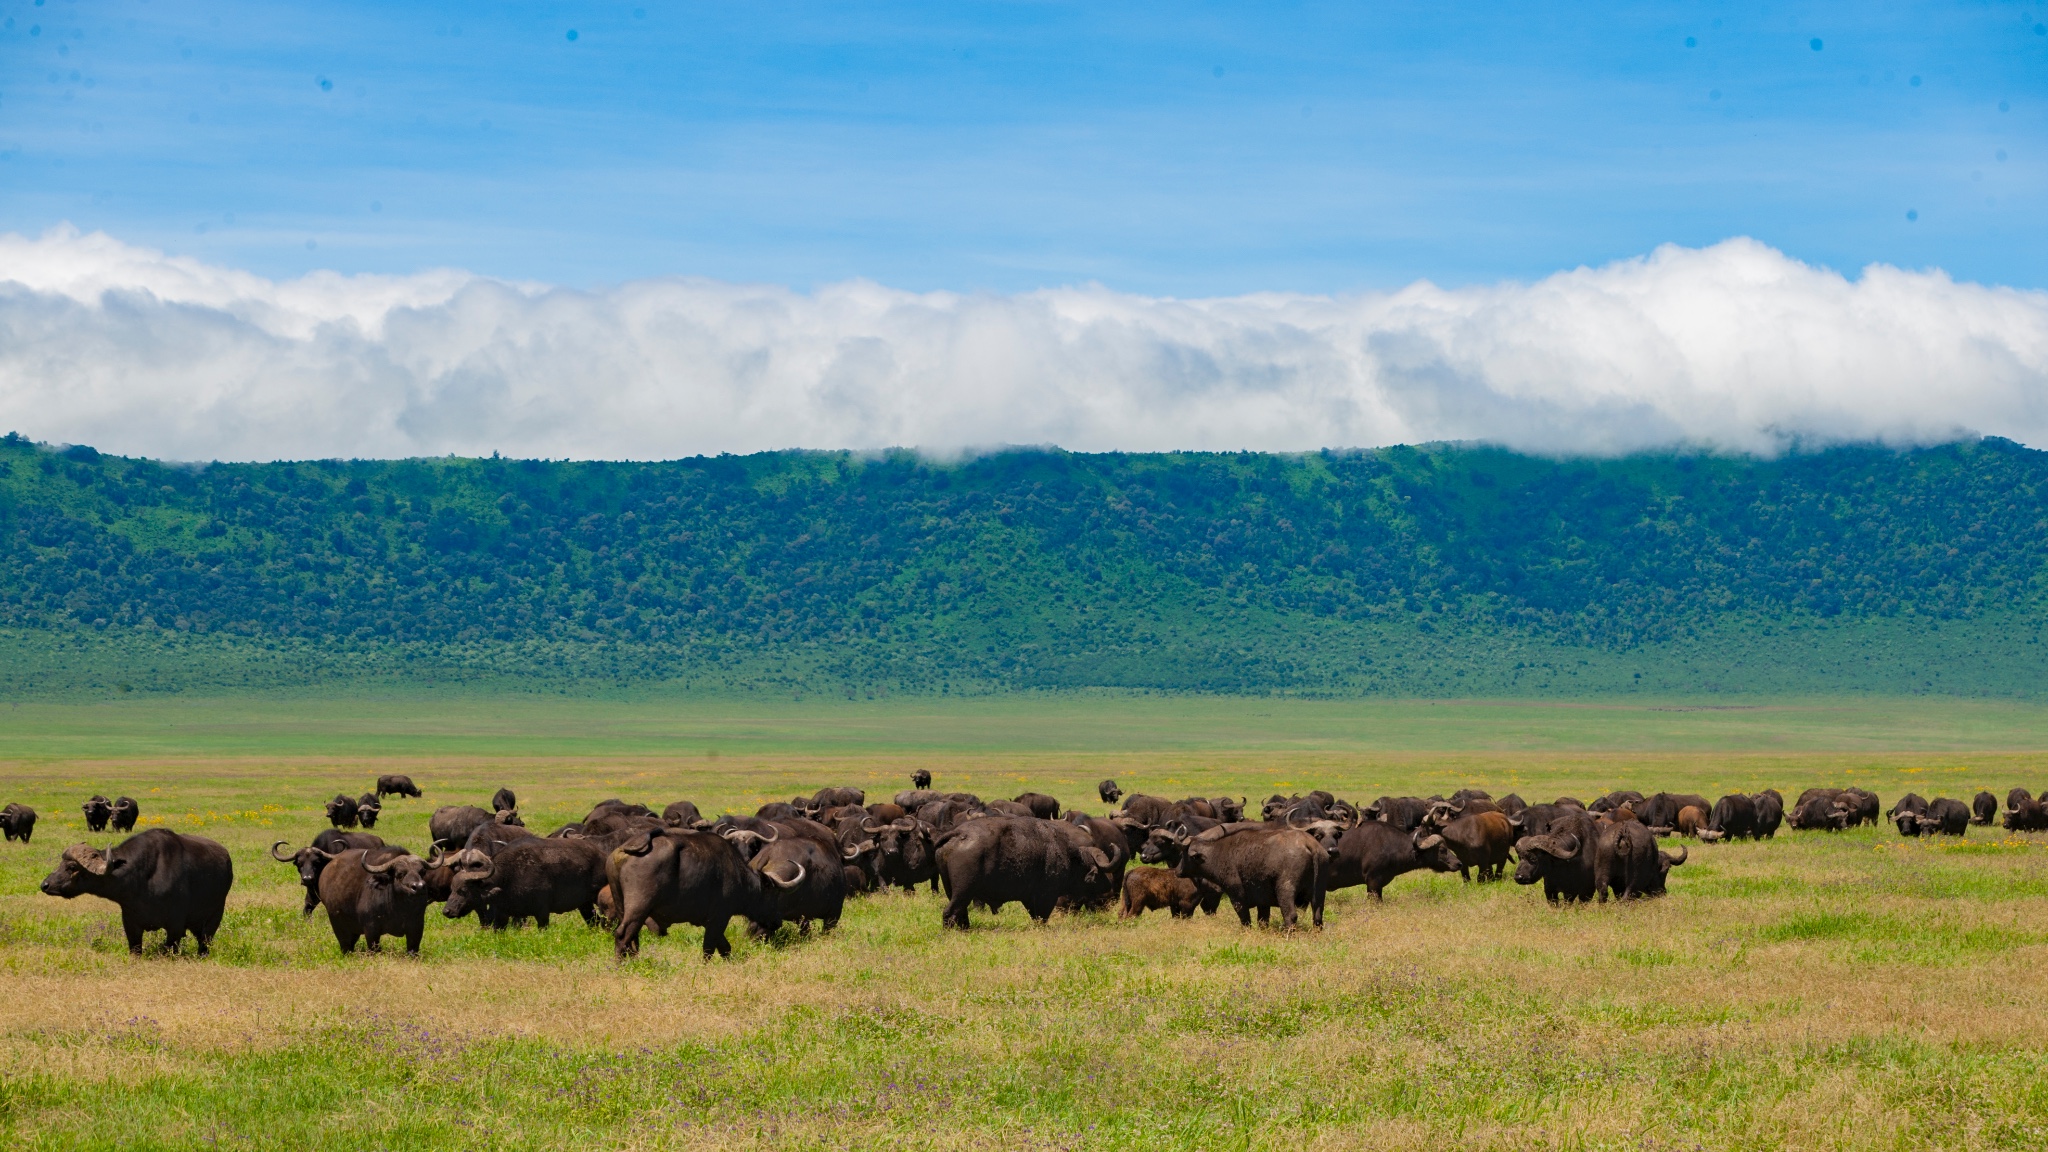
(368, 809)
(838, 797)
(1734, 817)
(124, 815)
(1770, 813)
(1011, 808)
(2023, 813)
(537, 877)
(1984, 808)
(911, 799)
(1626, 861)
(373, 893)
(922, 778)
(18, 821)
(1373, 853)
(492, 838)
(2014, 798)
(885, 811)
(998, 859)
(1040, 805)
(450, 825)
(1819, 812)
(397, 786)
(1481, 841)
(686, 877)
(1660, 810)
(1151, 811)
(1108, 790)
(1907, 812)
(904, 855)
(1511, 805)
(777, 810)
(616, 807)
(1536, 819)
(1146, 889)
(808, 881)
(160, 879)
(682, 814)
(341, 811)
(1563, 856)
(1111, 840)
(503, 800)
(1945, 817)
(98, 811)
(1403, 812)
(1615, 800)
(1260, 868)
(311, 860)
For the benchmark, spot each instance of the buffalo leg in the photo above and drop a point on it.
(374, 942)
(540, 919)
(1284, 895)
(714, 939)
(412, 940)
(131, 928)
(1244, 912)
(955, 915)
(346, 938)
(589, 915)
(174, 935)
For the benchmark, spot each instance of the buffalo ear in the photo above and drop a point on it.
(114, 864)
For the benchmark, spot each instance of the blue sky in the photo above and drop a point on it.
(1169, 148)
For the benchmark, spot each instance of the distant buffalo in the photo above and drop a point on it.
(368, 809)
(18, 821)
(125, 812)
(98, 811)
(341, 811)
(1107, 789)
(1984, 809)
(397, 786)
(160, 879)
(1146, 889)
(503, 800)
(922, 778)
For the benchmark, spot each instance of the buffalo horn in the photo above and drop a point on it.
(1681, 856)
(1428, 842)
(854, 852)
(904, 824)
(871, 827)
(381, 869)
(780, 882)
(281, 859)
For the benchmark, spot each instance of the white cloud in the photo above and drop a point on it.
(1735, 346)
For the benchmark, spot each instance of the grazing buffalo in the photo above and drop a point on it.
(1819, 811)
(2017, 796)
(682, 814)
(159, 878)
(537, 877)
(1260, 868)
(1146, 889)
(685, 877)
(777, 810)
(313, 859)
(1011, 808)
(98, 811)
(1373, 853)
(341, 811)
(616, 807)
(809, 882)
(1661, 810)
(368, 809)
(838, 798)
(125, 812)
(396, 786)
(1734, 817)
(1693, 821)
(1481, 841)
(503, 800)
(922, 778)
(451, 824)
(911, 799)
(1907, 812)
(1945, 817)
(2023, 813)
(1626, 861)
(1614, 800)
(1042, 806)
(18, 821)
(373, 893)
(1564, 856)
(1984, 808)
(1511, 805)
(1403, 812)
(997, 859)
(1770, 812)
(1108, 790)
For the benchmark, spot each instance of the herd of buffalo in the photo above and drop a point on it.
(798, 862)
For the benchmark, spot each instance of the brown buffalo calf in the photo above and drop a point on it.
(1692, 820)
(1149, 888)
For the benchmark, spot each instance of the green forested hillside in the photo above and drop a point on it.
(1434, 570)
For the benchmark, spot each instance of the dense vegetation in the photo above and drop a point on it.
(1434, 569)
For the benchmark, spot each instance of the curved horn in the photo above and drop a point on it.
(1681, 856)
(780, 882)
(871, 826)
(854, 852)
(743, 834)
(281, 859)
(436, 856)
(1428, 842)
(1291, 819)
(388, 865)
(904, 824)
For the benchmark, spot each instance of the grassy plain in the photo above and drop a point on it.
(1818, 991)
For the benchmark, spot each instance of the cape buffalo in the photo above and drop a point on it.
(838, 797)
(1945, 817)
(1693, 821)
(1042, 806)
(159, 878)
(18, 821)
(396, 786)
(368, 809)
(1260, 868)
(1906, 813)
(124, 814)
(922, 778)
(1107, 789)
(2023, 813)
(997, 859)
(1615, 800)
(1482, 841)
(1770, 812)
(1511, 805)
(1564, 857)
(311, 860)
(537, 877)
(809, 882)
(1821, 812)
(684, 877)
(1627, 863)
(1403, 812)
(451, 824)
(1536, 819)
(1984, 808)
(98, 811)
(681, 814)
(341, 811)
(373, 893)
(1734, 817)
(1373, 853)
(1145, 889)
(904, 855)
(503, 800)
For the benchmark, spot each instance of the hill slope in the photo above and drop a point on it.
(1436, 570)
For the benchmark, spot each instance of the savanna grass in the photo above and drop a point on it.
(1819, 991)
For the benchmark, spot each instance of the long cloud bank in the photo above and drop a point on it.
(1735, 346)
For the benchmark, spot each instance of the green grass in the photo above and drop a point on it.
(1849, 990)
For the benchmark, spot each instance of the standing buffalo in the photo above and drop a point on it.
(1734, 817)
(1481, 840)
(1945, 817)
(451, 825)
(1906, 814)
(1403, 812)
(396, 786)
(373, 893)
(1693, 821)
(503, 800)
(1107, 789)
(98, 811)
(997, 859)
(1819, 811)
(18, 821)
(682, 877)
(1984, 808)
(314, 858)
(809, 882)
(1042, 806)
(1564, 856)
(922, 778)
(159, 878)
(1149, 888)
(2023, 813)
(1261, 868)
(124, 814)
(1627, 863)
(903, 856)
(368, 809)
(1770, 812)
(539, 877)
(341, 811)
(1373, 853)
(681, 814)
